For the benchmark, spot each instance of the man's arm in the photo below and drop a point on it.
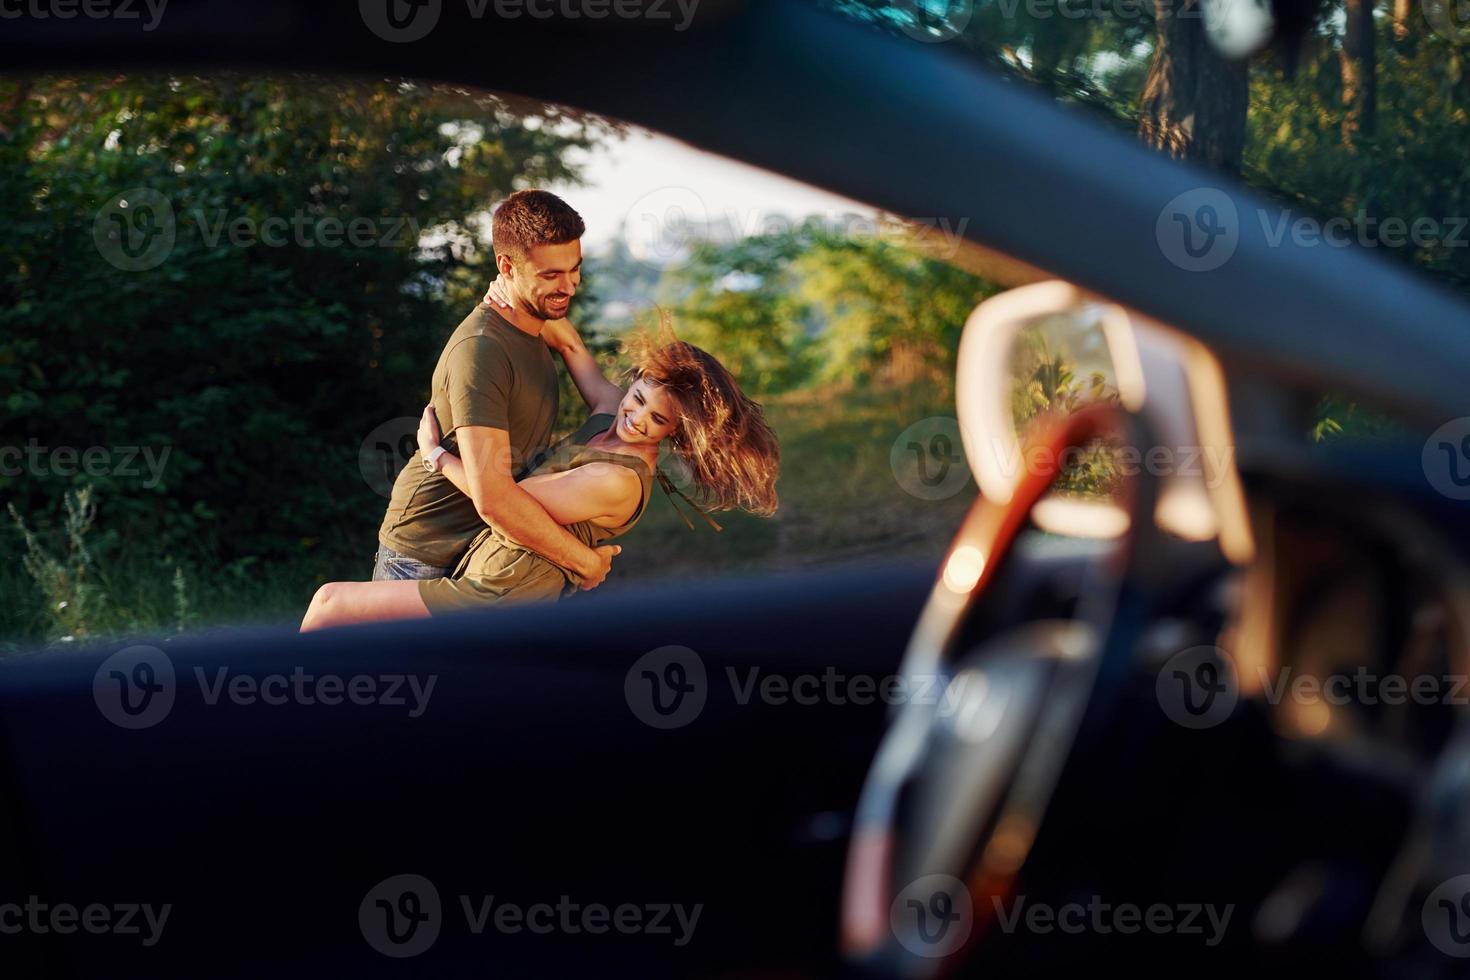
(479, 381)
(500, 501)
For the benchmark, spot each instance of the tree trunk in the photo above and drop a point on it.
(1404, 12)
(1194, 101)
(1359, 72)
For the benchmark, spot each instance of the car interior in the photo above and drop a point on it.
(1135, 692)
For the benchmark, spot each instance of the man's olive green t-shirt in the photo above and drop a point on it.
(490, 374)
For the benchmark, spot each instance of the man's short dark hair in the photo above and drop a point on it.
(527, 219)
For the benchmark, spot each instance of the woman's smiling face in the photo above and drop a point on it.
(647, 414)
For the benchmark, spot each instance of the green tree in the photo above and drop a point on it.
(259, 369)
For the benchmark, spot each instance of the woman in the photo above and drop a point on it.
(596, 482)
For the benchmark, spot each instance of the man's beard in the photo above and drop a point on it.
(545, 312)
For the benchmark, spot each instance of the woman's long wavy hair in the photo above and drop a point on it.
(722, 435)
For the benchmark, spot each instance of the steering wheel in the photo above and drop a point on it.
(956, 794)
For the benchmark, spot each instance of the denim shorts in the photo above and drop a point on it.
(393, 567)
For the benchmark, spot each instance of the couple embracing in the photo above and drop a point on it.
(486, 512)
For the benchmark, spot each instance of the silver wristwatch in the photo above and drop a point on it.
(431, 461)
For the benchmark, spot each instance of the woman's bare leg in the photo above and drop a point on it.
(344, 603)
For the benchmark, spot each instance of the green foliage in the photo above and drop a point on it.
(70, 583)
(257, 369)
(80, 593)
(1095, 56)
(816, 305)
(1414, 166)
(1336, 418)
(1048, 381)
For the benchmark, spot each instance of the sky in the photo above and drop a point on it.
(650, 189)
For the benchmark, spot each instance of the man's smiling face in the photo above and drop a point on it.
(544, 283)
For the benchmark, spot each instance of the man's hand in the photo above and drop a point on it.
(429, 437)
(605, 556)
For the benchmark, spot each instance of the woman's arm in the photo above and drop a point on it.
(600, 394)
(604, 493)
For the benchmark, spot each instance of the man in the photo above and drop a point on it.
(495, 394)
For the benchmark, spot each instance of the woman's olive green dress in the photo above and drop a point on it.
(497, 570)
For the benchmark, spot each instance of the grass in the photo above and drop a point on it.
(841, 502)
